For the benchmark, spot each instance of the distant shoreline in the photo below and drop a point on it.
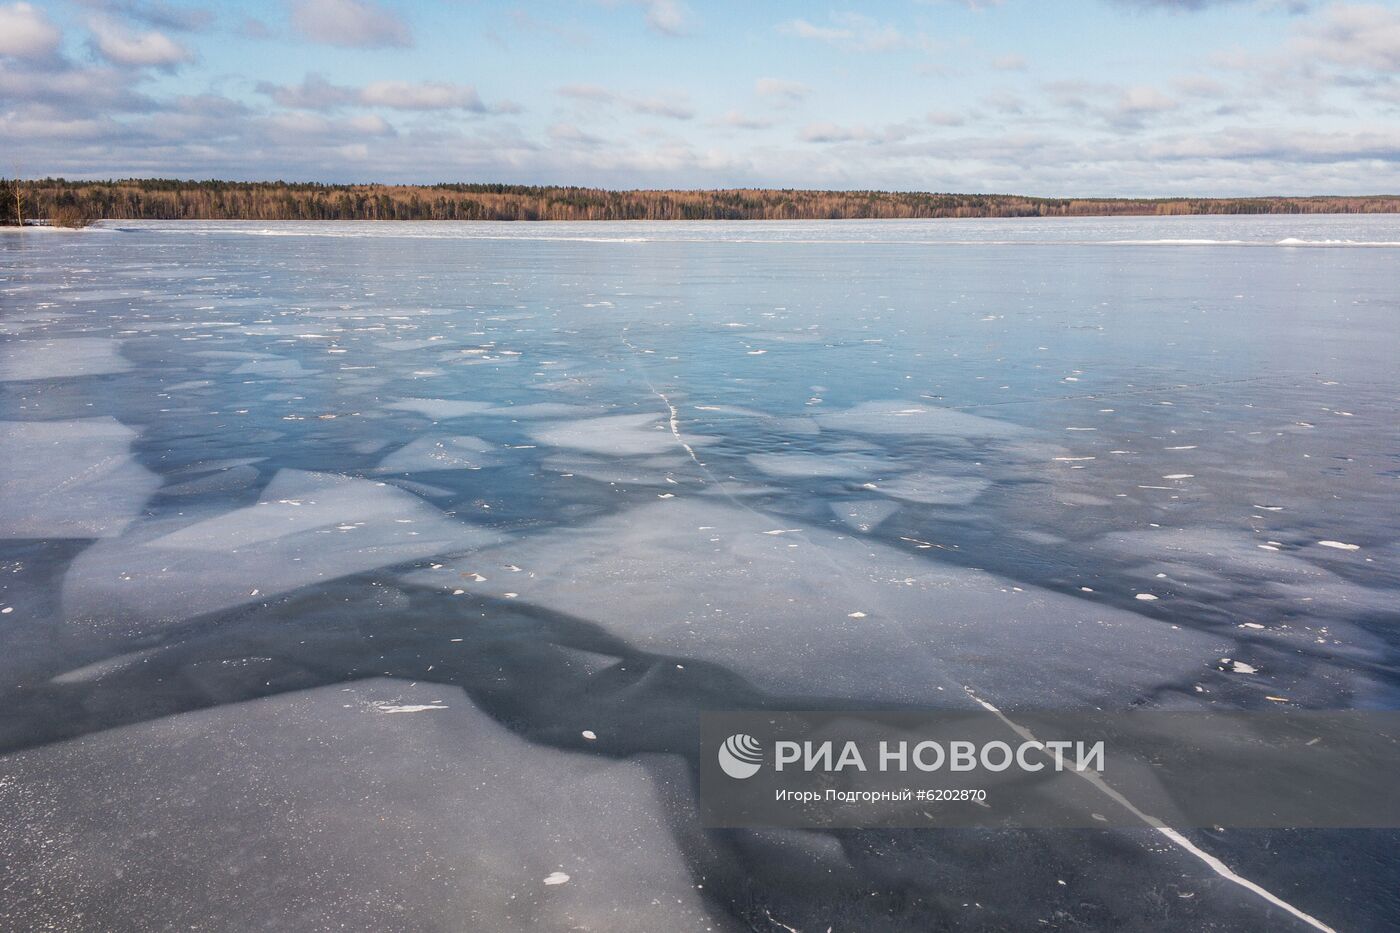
(173, 199)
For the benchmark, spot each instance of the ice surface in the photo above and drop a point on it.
(934, 488)
(863, 516)
(615, 435)
(1207, 563)
(228, 479)
(331, 815)
(540, 410)
(70, 479)
(821, 466)
(306, 528)
(274, 367)
(439, 409)
(772, 599)
(61, 359)
(649, 471)
(442, 452)
(912, 418)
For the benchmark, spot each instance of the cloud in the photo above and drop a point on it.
(1009, 63)
(673, 108)
(163, 15)
(358, 24)
(254, 28)
(121, 46)
(313, 93)
(1282, 145)
(428, 95)
(831, 133)
(588, 92)
(73, 92)
(668, 17)
(741, 121)
(946, 118)
(317, 93)
(1136, 104)
(664, 17)
(26, 32)
(856, 32)
(658, 107)
(782, 91)
(571, 134)
(1175, 5)
(1353, 36)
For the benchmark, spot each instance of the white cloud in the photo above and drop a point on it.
(121, 46)
(26, 32)
(832, 133)
(571, 134)
(741, 121)
(660, 107)
(313, 93)
(1009, 63)
(356, 24)
(675, 108)
(779, 90)
(856, 32)
(668, 17)
(589, 92)
(805, 30)
(1354, 36)
(1138, 103)
(429, 95)
(317, 93)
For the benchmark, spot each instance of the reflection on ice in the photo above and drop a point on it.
(306, 528)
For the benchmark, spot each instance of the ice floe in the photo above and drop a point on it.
(906, 418)
(331, 816)
(614, 435)
(70, 479)
(695, 578)
(934, 488)
(306, 528)
(62, 358)
(442, 453)
(439, 409)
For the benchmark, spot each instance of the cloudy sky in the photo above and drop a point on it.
(1074, 97)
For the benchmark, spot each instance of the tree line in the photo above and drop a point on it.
(58, 199)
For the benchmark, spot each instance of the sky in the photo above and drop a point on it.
(1065, 98)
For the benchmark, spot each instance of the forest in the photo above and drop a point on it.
(74, 203)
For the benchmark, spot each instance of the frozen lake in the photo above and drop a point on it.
(374, 574)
